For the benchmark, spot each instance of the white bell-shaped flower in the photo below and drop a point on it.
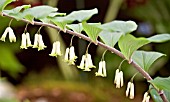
(146, 97)
(118, 78)
(23, 41)
(102, 69)
(130, 90)
(28, 40)
(72, 56)
(66, 57)
(36, 41)
(82, 63)
(12, 37)
(56, 49)
(41, 45)
(89, 61)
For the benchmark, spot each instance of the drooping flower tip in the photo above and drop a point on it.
(130, 90)
(12, 37)
(56, 49)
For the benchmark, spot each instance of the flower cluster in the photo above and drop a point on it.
(56, 49)
(118, 78)
(146, 97)
(130, 90)
(38, 42)
(70, 56)
(12, 37)
(102, 69)
(86, 63)
(25, 41)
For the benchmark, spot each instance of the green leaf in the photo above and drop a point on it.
(145, 59)
(81, 15)
(128, 44)
(159, 38)
(56, 14)
(167, 94)
(161, 83)
(92, 30)
(4, 3)
(16, 11)
(76, 27)
(110, 38)
(124, 27)
(9, 62)
(39, 12)
(154, 94)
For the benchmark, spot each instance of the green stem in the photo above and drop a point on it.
(10, 22)
(120, 65)
(88, 47)
(71, 40)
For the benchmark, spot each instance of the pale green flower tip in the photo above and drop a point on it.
(2, 39)
(99, 74)
(80, 67)
(92, 66)
(30, 45)
(87, 70)
(34, 46)
(53, 55)
(23, 47)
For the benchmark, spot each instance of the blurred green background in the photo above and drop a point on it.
(35, 75)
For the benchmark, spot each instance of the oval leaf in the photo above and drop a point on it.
(161, 83)
(145, 59)
(76, 27)
(39, 12)
(4, 3)
(16, 11)
(124, 27)
(110, 38)
(159, 38)
(128, 44)
(81, 15)
(92, 30)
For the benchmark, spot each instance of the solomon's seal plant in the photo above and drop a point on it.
(110, 33)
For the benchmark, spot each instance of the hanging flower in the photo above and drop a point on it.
(56, 49)
(12, 37)
(82, 65)
(86, 63)
(23, 42)
(28, 40)
(102, 69)
(130, 88)
(38, 42)
(146, 97)
(66, 55)
(70, 56)
(118, 78)
(41, 45)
